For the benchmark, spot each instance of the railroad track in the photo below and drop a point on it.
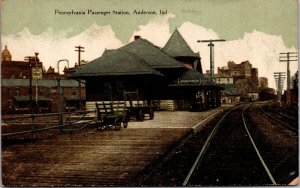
(232, 157)
(228, 153)
(280, 117)
(281, 141)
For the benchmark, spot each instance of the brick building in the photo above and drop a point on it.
(245, 79)
(220, 78)
(262, 82)
(243, 70)
(18, 69)
(19, 88)
(230, 94)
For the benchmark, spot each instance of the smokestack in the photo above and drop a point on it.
(137, 37)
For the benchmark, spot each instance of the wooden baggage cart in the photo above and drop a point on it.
(111, 114)
(138, 108)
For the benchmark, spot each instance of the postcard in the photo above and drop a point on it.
(149, 93)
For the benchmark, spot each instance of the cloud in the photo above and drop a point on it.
(192, 33)
(156, 30)
(261, 49)
(55, 46)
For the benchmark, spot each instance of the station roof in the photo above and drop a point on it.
(152, 54)
(178, 47)
(194, 78)
(115, 63)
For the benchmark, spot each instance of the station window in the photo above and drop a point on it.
(10, 104)
(73, 91)
(49, 91)
(17, 91)
(10, 92)
(40, 90)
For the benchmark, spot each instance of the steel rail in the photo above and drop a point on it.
(287, 116)
(277, 120)
(208, 140)
(283, 114)
(257, 152)
(205, 146)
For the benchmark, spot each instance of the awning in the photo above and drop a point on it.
(74, 98)
(27, 98)
(192, 78)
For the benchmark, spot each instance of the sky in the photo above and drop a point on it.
(254, 30)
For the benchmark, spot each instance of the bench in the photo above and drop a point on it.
(111, 114)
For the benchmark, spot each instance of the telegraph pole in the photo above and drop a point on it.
(288, 57)
(79, 49)
(279, 79)
(211, 49)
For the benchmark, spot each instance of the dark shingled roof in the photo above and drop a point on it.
(107, 51)
(153, 55)
(115, 63)
(194, 78)
(177, 46)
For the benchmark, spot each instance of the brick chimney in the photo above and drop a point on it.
(137, 37)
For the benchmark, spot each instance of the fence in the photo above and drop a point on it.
(71, 121)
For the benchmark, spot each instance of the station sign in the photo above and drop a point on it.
(37, 73)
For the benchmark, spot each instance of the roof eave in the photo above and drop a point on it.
(111, 74)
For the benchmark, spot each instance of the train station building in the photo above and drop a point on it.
(170, 77)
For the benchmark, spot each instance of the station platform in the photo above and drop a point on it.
(99, 158)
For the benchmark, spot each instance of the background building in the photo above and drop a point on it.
(262, 82)
(244, 77)
(20, 88)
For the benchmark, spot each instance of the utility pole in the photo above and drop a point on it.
(211, 49)
(36, 73)
(287, 57)
(79, 49)
(279, 80)
(27, 58)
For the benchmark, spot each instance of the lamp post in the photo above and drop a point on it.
(30, 88)
(59, 91)
(36, 83)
